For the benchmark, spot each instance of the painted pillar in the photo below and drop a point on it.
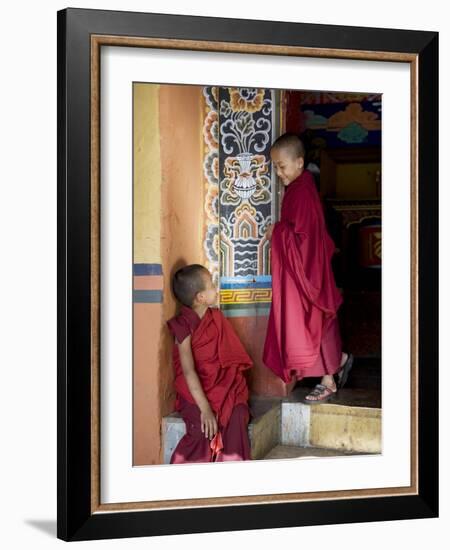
(247, 126)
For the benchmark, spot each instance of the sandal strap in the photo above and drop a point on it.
(319, 389)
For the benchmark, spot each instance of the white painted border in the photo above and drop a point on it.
(120, 482)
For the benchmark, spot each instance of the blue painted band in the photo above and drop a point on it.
(147, 296)
(259, 281)
(225, 286)
(147, 269)
(252, 312)
(257, 278)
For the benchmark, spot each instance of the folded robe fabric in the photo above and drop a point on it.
(220, 360)
(304, 294)
(231, 445)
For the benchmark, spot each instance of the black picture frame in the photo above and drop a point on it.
(76, 518)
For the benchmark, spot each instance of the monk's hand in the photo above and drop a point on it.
(269, 231)
(208, 423)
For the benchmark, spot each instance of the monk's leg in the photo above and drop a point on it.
(331, 357)
(331, 353)
(236, 445)
(329, 379)
(194, 446)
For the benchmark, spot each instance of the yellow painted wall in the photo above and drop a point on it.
(147, 174)
(356, 180)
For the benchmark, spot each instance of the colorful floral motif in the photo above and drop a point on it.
(238, 185)
(246, 99)
(354, 113)
(245, 188)
(338, 118)
(353, 133)
(211, 180)
(211, 167)
(211, 130)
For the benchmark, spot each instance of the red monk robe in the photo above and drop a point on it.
(302, 335)
(220, 360)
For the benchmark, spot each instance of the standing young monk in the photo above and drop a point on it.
(303, 336)
(209, 362)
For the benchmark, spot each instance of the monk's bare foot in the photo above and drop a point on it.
(328, 381)
(324, 390)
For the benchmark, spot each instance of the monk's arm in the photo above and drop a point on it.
(208, 419)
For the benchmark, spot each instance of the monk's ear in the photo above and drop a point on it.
(301, 161)
(199, 297)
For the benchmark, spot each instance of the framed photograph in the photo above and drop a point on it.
(183, 142)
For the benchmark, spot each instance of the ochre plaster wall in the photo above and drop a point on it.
(181, 204)
(168, 224)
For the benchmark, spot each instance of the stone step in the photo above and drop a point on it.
(263, 430)
(350, 423)
(173, 428)
(289, 451)
(365, 374)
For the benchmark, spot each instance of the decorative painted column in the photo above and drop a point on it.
(245, 191)
(239, 206)
(211, 180)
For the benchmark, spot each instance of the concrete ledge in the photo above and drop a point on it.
(173, 429)
(346, 428)
(295, 423)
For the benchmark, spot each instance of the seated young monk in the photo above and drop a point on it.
(209, 362)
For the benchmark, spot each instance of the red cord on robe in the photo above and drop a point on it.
(216, 445)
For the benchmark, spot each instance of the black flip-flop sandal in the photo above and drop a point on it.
(344, 372)
(320, 389)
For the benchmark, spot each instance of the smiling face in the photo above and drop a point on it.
(286, 165)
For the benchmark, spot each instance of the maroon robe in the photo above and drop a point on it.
(220, 360)
(302, 335)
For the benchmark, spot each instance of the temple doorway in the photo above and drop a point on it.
(205, 192)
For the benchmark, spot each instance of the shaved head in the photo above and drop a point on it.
(291, 144)
(188, 282)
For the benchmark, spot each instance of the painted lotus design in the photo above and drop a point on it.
(246, 99)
